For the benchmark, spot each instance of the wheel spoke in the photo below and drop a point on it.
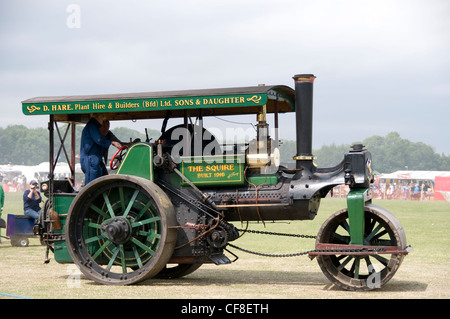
(131, 203)
(137, 257)
(341, 238)
(345, 225)
(381, 259)
(369, 224)
(113, 257)
(93, 225)
(101, 249)
(99, 211)
(141, 245)
(373, 233)
(122, 198)
(108, 204)
(345, 262)
(122, 258)
(149, 235)
(93, 239)
(355, 268)
(369, 264)
(145, 221)
(143, 210)
(384, 232)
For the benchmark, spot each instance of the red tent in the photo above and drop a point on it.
(442, 188)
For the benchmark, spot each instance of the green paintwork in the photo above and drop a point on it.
(356, 200)
(147, 104)
(263, 179)
(138, 161)
(214, 170)
(61, 253)
(61, 205)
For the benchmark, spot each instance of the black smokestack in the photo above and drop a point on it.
(304, 118)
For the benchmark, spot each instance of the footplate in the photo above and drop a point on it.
(220, 259)
(356, 250)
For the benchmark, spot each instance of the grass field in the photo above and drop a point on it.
(424, 273)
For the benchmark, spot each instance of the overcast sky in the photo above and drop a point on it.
(381, 66)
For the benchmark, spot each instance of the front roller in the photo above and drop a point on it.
(366, 266)
(119, 230)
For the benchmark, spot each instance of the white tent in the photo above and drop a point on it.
(414, 175)
(40, 171)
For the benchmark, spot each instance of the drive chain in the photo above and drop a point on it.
(276, 234)
(273, 234)
(339, 252)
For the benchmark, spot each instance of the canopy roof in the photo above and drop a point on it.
(149, 105)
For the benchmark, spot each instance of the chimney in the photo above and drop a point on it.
(304, 119)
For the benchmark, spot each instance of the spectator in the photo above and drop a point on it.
(31, 200)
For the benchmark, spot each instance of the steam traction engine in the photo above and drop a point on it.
(169, 206)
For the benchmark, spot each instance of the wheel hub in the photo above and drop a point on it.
(117, 230)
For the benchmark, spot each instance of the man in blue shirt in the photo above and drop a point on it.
(93, 145)
(31, 200)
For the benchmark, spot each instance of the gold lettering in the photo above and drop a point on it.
(126, 105)
(195, 169)
(148, 104)
(223, 100)
(220, 167)
(166, 103)
(81, 107)
(98, 106)
(184, 102)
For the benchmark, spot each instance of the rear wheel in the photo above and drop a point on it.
(118, 230)
(381, 228)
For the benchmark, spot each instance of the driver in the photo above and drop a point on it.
(104, 131)
(92, 148)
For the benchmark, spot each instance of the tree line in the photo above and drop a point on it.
(20, 145)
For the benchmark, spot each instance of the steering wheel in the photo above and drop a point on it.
(117, 158)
